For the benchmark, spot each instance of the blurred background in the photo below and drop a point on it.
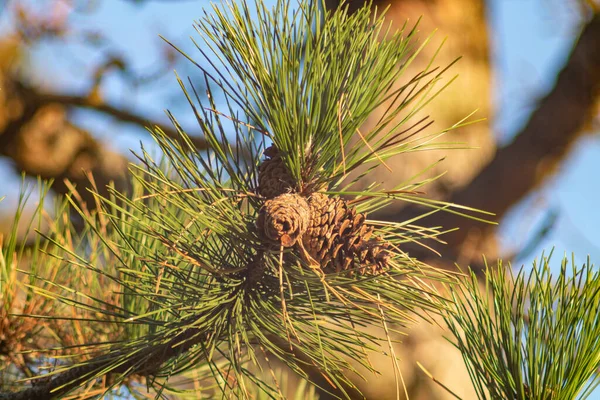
(80, 80)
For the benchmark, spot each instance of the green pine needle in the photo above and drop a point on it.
(533, 335)
(173, 279)
(309, 79)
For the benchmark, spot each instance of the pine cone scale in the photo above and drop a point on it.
(283, 220)
(338, 238)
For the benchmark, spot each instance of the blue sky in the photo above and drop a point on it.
(530, 40)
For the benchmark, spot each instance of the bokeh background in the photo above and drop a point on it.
(80, 80)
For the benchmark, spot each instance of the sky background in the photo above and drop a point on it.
(531, 39)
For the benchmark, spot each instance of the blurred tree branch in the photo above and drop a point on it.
(517, 169)
(36, 131)
(113, 111)
(40, 139)
(37, 134)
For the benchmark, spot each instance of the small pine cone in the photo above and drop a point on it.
(273, 176)
(284, 219)
(338, 238)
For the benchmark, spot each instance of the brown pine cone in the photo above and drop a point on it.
(338, 238)
(274, 178)
(284, 219)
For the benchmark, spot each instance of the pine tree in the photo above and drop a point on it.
(258, 251)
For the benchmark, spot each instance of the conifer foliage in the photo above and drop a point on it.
(224, 266)
(256, 250)
(530, 334)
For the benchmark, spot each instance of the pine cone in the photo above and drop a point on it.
(284, 219)
(273, 176)
(339, 240)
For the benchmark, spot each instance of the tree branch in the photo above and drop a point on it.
(42, 141)
(118, 113)
(147, 363)
(537, 150)
(143, 363)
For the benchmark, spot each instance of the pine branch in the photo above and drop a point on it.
(530, 335)
(148, 363)
(197, 249)
(143, 363)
